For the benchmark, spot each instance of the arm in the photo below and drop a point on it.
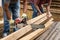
(6, 5)
(48, 7)
(24, 6)
(37, 8)
(36, 5)
(24, 15)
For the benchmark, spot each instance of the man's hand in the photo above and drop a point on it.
(48, 15)
(39, 14)
(18, 20)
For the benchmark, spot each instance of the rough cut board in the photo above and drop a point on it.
(36, 33)
(46, 33)
(18, 33)
(43, 19)
(36, 19)
(53, 33)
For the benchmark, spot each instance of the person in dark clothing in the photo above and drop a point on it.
(37, 6)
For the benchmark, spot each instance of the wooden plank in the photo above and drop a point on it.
(19, 33)
(36, 19)
(42, 20)
(53, 33)
(36, 33)
(47, 32)
(32, 35)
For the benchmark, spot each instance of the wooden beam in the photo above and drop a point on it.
(36, 19)
(19, 33)
(42, 20)
(36, 33)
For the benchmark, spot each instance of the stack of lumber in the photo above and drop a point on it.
(27, 32)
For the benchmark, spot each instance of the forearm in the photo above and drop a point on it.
(48, 6)
(25, 6)
(48, 9)
(7, 11)
(6, 7)
(37, 8)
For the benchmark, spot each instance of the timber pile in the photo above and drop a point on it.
(30, 32)
(51, 31)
